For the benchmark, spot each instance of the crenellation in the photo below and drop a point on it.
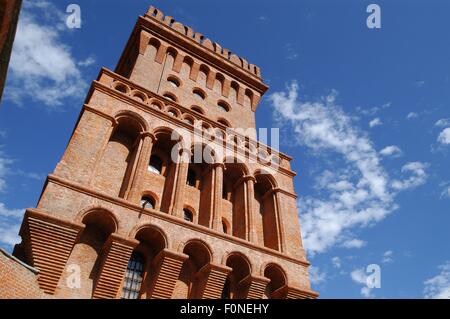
(207, 43)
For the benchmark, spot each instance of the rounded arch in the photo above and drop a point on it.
(223, 122)
(270, 268)
(152, 195)
(171, 51)
(152, 229)
(99, 215)
(197, 109)
(174, 80)
(170, 96)
(239, 255)
(200, 93)
(236, 161)
(190, 208)
(138, 95)
(266, 175)
(127, 114)
(121, 87)
(156, 104)
(183, 247)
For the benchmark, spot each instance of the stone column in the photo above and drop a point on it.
(115, 256)
(141, 167)
(167, 266)
(212, 278)
(48, 242)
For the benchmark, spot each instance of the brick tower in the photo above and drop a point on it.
(125, 215)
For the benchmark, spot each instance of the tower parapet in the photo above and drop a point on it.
(156, 14)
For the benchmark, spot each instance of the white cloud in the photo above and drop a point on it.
(444, 136)
(336, 262)
(354, 243)
(446, 192)
(316, 276)
(391, 150)
(87, 62)
(412, 115)
(438, 287)
(373, 110)
(375, 122)
(9, 218)
(355, 195)
(388, 257)
(417, 178)
(443, 123)
(359, 276)
(42, 66)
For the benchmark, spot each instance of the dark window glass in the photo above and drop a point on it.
(188, 215)
(155, 164)
(147, 202)
(191, 178)
(133, 277)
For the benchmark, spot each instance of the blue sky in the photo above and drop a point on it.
(365, 113)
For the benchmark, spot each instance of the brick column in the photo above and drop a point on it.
(180, 186)
(167, 266)
(217, 196)
(48, 242)
(141, 168)
(250, 195)
(212, 278)
(279, 220)
(115, 256)
(256, 286)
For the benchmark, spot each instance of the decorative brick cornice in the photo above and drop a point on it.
(49, 242)
(167, 265)
(116, 254)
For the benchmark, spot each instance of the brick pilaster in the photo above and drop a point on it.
(115, 256)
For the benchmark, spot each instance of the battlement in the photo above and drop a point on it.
(158, 15)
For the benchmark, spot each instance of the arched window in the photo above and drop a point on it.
(155, 165)
(224, 226)
(197, 109)
(147, 202)
(191, 178)
(170, 97)
(188, 216)
(223, 106)
(173, 81)
(133, 277)
(199, 94)
(224, 122)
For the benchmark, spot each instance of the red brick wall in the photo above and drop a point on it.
(17, 281)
